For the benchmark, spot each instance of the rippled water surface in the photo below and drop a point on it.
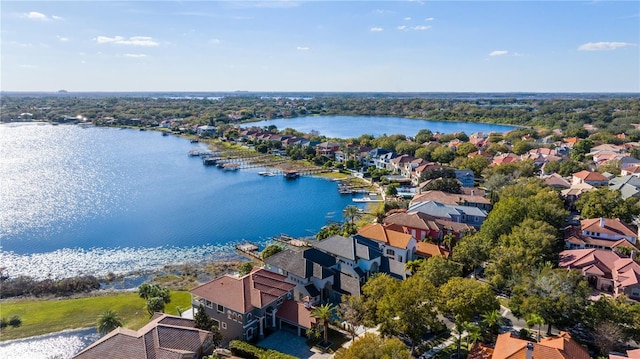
(93, 200)
(61, 345)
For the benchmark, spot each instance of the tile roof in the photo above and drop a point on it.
(165, 336)
(337, 245)
(384, 234)
(590, 176)
(296, 312)
(304, 264)
(254, 290)
(558, 347)
(427, 249)
(613, 227)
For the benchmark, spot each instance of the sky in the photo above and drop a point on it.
(335, 46)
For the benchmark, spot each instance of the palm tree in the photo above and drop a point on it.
(413, 266)
(473, 333)
(324, 313)
(535, 319)
(352, 213)
(449, 240)
(108, 321)
(492, 320)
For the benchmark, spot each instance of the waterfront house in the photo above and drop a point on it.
(355, 262)
(462, 214)
(309, 270)
(206, 131)
(605, 270)
(243, 307)
(423, 226)
(392, 241)
(374, 158)
(327, 149)
(165, 336)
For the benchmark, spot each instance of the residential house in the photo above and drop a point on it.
(427, 250)
(165, 336)
(392, 241)
(206, 130)
(355, 262)
(605, 270)
(573, 193)
(466, 177)
(327, 149)
(505, 158)
(470, 200)
(595, 179)
(561, 346)
(632, 170)
(309, 270)
(603, 233)
(372, 158)
(554, 180)
(462, 214)
(631, 354)
(297, 316)
(397, 164)
(629, 186)
(243, 307)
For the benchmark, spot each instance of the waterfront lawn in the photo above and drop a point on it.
(42, 316)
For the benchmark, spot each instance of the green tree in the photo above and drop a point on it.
(108, 321)
(324, 314)
(534, 319)
(271, 250)
(608, 204)
(352, 214)
(351, 310)
(372, 346)
(491, 320)
(580, 149)
(449, 185)
(557, 295)
(392, 189)
(155, 296)
(245, 268)
(202, 320)
(471, 251)
(443, 154)
(465, 148)
(521, 147)
(477, 164)
(465, 298)
(438, 270)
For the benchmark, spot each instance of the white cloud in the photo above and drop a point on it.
(214, 41)
(38, 16)
(402, 27)
(133, 40)
(407, 18)
(376, 29)
(135, 56)
(62, 38)
(604, 46)
(26, 66)
(498, 53)
(302, 48)
(421, 27)
(429, 19)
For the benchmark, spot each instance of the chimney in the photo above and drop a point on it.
(601, 222)
(529, 350)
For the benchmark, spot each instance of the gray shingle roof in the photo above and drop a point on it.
(337, 245)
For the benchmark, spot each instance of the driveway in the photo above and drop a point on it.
(291, 344)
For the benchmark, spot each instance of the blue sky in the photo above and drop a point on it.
(395, 46)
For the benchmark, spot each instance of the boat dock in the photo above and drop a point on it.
(246, 160)
(249, 249)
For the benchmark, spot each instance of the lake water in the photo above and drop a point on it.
(87, 200)
(352, 126)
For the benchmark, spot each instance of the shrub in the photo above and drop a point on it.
(246, 350)
(3, 323)
(15, 321)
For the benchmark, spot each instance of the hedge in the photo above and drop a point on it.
(248, 351)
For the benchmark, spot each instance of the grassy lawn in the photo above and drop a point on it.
(52, 315)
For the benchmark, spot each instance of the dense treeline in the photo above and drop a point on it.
(615, 114)
(27, 286)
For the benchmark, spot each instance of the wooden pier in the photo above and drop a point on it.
(292, 241)
(249, 249)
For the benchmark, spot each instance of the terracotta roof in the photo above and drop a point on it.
(613, 227)
(559, 347)
(296, 312)
(165, 336)
(426, 249)
(590, 176)
(382, 233)
(414, 220)
(255, 290)
(555, 180)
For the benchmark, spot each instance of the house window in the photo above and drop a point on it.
(220, 309)
(228, 314)
(224, 325)
(235, 316)
(249, 316)
(239, 317)
(207, 303)
(216, 323)
(391, 252)
(250, 334)
(635, 292)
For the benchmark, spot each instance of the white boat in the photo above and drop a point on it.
(266, 173)
(368, 199)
